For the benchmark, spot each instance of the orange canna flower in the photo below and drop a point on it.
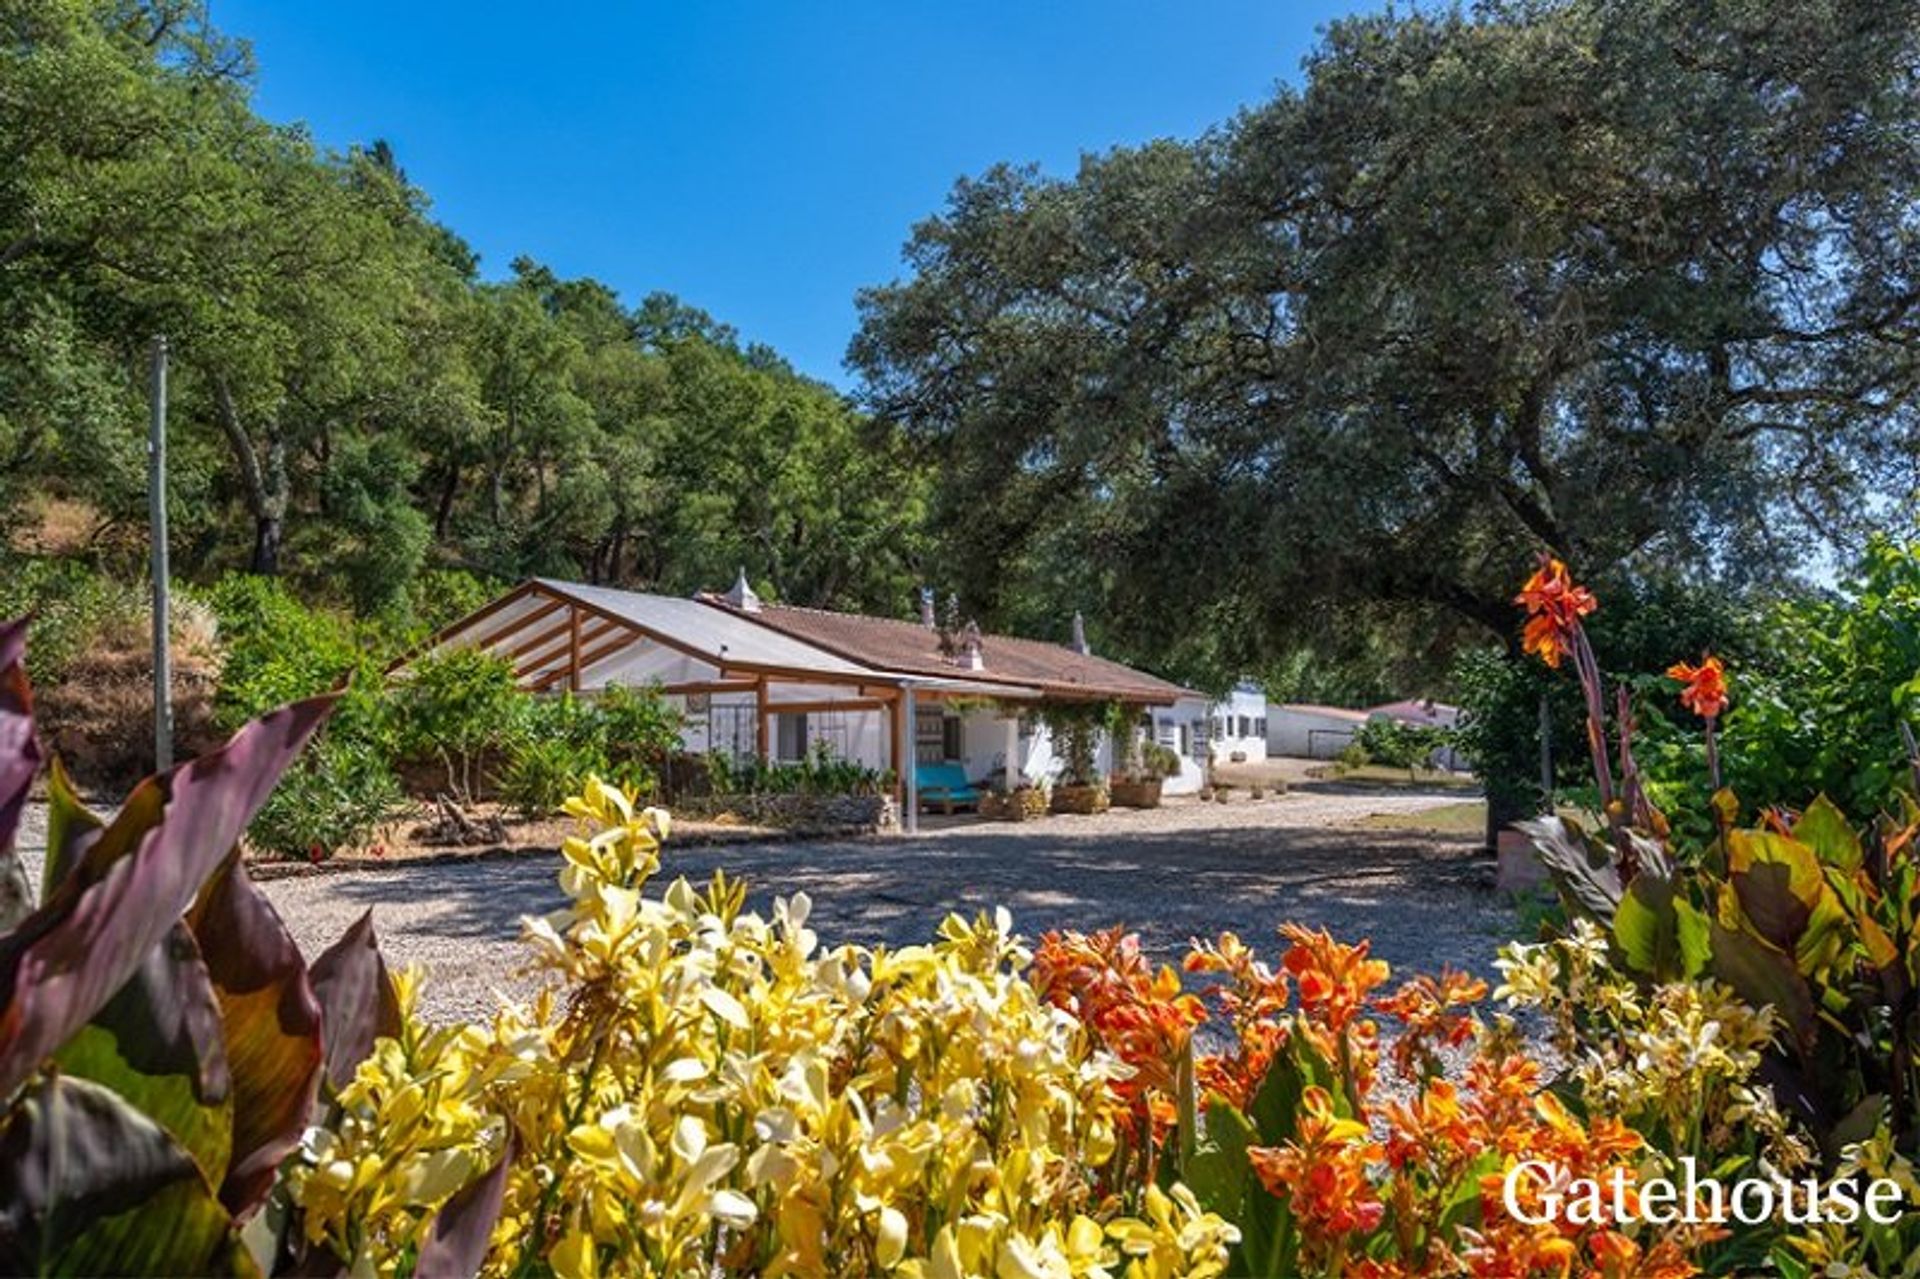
(1555, 603)
(1705, 693)
(1322, 1173)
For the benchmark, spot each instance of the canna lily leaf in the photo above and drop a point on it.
(1778, 882)
(19, 761)
(1764, 975)
(72, 829)
(1583, 868)
(158, 1045)
(19, 750)
(271, 1024)
(1824, 829)
(357, 1000)
(90, 1186)
(67, 959)
(1660, 932)
(457, 1244)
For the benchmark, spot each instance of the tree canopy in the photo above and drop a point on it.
(1633, 280)
(352, 401)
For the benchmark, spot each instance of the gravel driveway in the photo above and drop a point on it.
(1170, 873)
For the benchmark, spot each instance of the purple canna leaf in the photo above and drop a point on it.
(356, 997)
(19, 751)
(272, 1027)
(457, 1244)
(158, 1044)
(90, 1186)
(67, 959)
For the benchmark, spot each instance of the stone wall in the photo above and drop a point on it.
(865, 813)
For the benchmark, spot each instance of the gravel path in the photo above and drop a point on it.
(1171, 873)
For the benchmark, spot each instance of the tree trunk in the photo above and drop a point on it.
(266, 545)
(443, 513)
(264, 486)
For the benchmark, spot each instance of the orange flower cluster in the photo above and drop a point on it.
(1434, 1014)
(1705, 691)
(1334, 982)
(1253, 997)
(1140, 1014)
(1323, 1175)
(1375, 1190)
(1555, 603)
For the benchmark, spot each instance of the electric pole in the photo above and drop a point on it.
(157, 507)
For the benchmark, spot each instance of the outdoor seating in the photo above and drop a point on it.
(946, 787)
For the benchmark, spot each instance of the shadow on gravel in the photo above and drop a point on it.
(1421, 898)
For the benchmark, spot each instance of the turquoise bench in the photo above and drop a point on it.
(945, 786)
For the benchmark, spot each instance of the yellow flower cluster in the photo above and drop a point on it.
(413, 1126)
(1674, 1059)
(707, 1091)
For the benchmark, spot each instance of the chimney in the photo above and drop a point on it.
(973, 654)
(742, 595)
(927, 619)
(1079, 642)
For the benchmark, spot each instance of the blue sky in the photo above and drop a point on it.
(763, 161)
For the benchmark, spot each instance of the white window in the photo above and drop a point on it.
(790, 737)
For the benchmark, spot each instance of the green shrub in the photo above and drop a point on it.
(1159, 761)
(277, 649)
(70, 604)
(542, 772)
(1397, 744)
(638, 730)
(1353, 755)
(336, 797)
(456, 706)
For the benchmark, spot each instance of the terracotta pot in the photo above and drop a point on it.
(1518, 869)
(1135, 793)
(1085, 800)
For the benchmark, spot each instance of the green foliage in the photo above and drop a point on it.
(820, 773)
(337, 797)
(1159, 761)
(1816, 707)
(1364, 431)
(277, 649)
(456, 706)
(70, 605)
(621, 734)
(1076, 728)
(1398, 744)
(349, 401)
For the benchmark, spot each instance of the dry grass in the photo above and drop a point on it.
(1466, 818)
(97, 718)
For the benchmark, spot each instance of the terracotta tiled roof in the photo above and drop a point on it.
(909, 647)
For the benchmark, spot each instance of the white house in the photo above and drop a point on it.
(1301, 730)
(1238, 725)
(770, 681)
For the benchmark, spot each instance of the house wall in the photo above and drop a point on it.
(1302, 732)
(1190, 714)
(1240, 726)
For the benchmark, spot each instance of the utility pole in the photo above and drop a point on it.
(157, 508)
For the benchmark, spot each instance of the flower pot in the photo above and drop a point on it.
(1085, 800)
(1018, 806)
(1128, 792)
(1518, 868)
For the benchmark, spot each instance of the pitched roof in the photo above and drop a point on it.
(912, 648)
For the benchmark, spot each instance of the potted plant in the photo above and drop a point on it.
(1076, 732)
(1139, 785)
